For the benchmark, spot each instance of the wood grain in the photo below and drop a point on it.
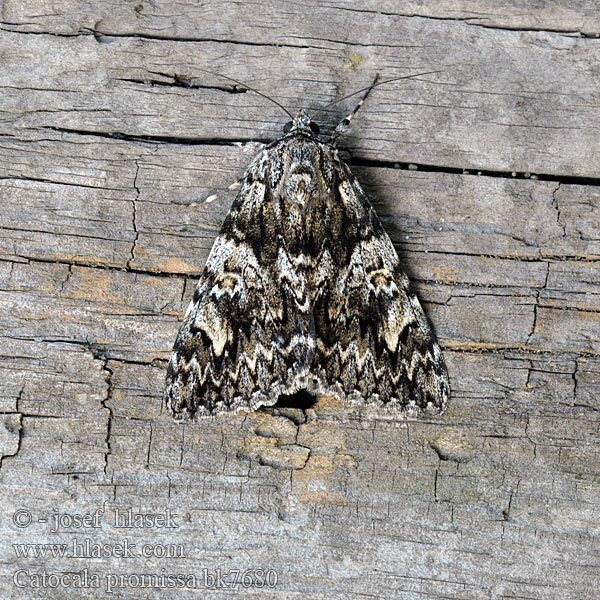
(111, 137)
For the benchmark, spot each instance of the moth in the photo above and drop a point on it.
(302, 290)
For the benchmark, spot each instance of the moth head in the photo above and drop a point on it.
(302, 123)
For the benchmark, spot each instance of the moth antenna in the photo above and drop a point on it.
(343, 125)
(368, 89)
(283, 108)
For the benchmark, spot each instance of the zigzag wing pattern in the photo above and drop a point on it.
(374, 343)
(248, 334)
(302, 290)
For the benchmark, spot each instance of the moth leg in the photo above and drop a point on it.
(245, 146)
(234, 186)
(343, 125)
(254, 147)
(206, 200)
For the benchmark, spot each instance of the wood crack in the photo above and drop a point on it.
(429, 168)
(12, 453)
(536, 305)
(469, 21)
(352, 162)
(134, 214)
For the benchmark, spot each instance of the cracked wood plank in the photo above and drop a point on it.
(532, 92)
(289, 23)
(107, 150)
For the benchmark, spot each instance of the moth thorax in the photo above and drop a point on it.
(300, 187)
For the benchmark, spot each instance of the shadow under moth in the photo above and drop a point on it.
(302, 290)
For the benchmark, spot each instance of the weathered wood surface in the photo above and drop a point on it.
(109, 133)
